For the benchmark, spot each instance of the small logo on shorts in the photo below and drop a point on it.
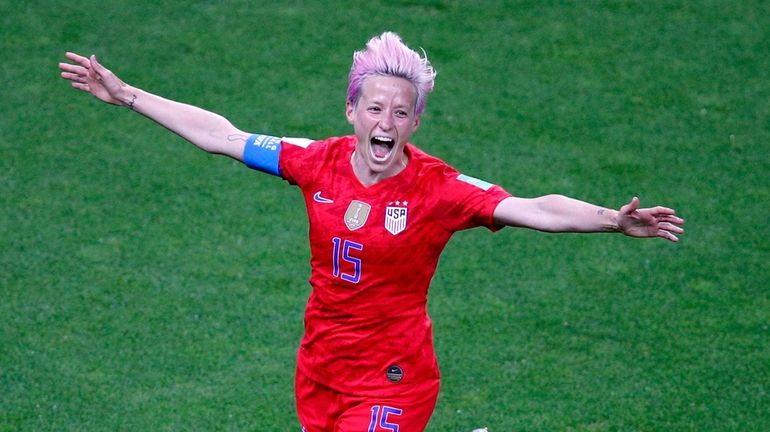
(395, 373)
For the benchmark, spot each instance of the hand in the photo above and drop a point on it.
(649, 222)
(88, 75)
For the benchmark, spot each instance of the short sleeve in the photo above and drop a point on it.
(467, 202)
(299, 157)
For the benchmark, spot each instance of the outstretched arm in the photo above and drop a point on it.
(557, 213)
(207, 130)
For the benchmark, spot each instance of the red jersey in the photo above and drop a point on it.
(374, 251)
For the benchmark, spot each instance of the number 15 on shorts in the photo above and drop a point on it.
(382, 419)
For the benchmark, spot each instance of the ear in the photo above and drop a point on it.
(349, 107)
(417, 122)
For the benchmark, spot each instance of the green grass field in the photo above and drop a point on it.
(148, 286)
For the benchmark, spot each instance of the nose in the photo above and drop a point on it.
(386, 121)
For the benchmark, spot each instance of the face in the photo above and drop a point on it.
(383, 120)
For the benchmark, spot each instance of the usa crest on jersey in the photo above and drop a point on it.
(395, 217)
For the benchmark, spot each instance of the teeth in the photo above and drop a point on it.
(383, 140)
(381, 147)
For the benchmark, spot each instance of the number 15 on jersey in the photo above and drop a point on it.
(342, 253)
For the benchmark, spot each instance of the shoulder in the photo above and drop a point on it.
(305, 148)
(427, 163)
(431, 168)
(311, 146)
(439, 173)
(302, 158)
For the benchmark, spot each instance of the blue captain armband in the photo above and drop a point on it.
(261, 153)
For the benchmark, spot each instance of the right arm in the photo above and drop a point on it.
(206, 130)
(557, 213)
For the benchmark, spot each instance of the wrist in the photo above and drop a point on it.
(610, 220)
(128, 97)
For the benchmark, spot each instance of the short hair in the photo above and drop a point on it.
(387, 55)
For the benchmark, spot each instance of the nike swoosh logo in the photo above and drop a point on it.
(318, 198)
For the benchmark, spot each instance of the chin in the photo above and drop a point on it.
(378, 167)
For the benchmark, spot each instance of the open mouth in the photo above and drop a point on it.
(381, 146)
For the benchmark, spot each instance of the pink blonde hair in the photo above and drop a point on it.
(387, 55)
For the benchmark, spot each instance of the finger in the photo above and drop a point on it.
(671, 227)
(73, 77)
(672, 219)
(81, 86)
(668, 236)
(73, 68)
(94, 71)
(98, 66)
(631, 206)
(73, 56)
(663, 210)
(100, 71)
(78, 59)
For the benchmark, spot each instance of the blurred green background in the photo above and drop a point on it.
(146, 285)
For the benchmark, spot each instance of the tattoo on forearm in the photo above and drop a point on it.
(600, 212)
(237, 137)
(130, 104)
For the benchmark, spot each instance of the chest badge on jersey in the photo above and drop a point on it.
(395, 217)
(356, 215)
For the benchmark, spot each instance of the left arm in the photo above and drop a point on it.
(557, 213)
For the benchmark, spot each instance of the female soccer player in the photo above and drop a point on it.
(380, 211)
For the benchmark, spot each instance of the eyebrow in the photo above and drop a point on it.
(380, 102)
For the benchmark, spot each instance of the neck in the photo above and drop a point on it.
(369, 177)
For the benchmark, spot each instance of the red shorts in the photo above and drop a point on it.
(322, 409)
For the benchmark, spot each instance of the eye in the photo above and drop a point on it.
(374, 109)
(402, 114)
